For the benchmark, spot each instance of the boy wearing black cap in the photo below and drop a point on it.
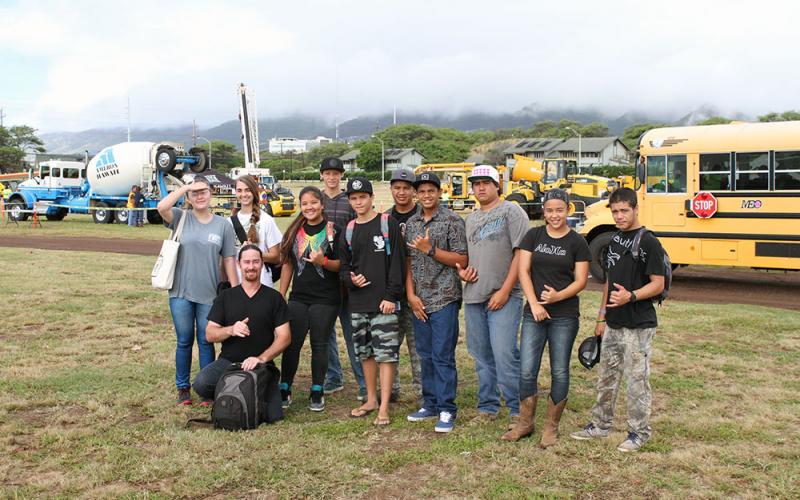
(372, 254)
(338, 210)
(437, 241)
(405, 207)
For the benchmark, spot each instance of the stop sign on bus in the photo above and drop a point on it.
(704, 205)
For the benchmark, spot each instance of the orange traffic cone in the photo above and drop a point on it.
(35, 220)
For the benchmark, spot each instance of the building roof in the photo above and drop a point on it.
(546, 144)
(534, 144)
(389, 153)
(350, 155)
(588, 144)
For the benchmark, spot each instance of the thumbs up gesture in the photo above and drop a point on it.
(240, 328)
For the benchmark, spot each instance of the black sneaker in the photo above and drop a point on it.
(317, 402)
(184, 397)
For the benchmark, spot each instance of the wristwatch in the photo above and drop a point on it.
(432, 251)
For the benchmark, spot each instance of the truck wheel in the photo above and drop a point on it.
(165, 159)
(59, 215)
(101, 214)
(153, 217)
(121, 216)
(520, 201)
(202, 160)
(15, 210)
(598, 249)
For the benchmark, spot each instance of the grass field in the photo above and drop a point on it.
(87, 409)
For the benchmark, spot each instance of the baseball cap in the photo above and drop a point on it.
(485, 172)
(402, 174)
(359, 185)
(556, 194)
(589, 351)
(428, 177)
(331, 163)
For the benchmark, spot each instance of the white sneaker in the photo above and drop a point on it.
(446, 422)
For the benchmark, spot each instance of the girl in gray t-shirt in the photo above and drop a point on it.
(204, 240)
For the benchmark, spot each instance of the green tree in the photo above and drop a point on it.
(15, 142)
(224, 156)
(630, 137)
(780, 117)
(369, 155)
(595, 129)
(315, 156)
(715, 120)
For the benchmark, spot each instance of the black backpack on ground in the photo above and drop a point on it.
(667, 264)
(246, 399)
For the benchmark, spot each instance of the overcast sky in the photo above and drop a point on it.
(73, 65)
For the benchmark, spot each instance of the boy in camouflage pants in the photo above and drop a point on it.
(627, 322)
(371, 257)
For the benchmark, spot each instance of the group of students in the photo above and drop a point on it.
(404, 274)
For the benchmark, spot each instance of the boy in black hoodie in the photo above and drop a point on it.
(372, 254)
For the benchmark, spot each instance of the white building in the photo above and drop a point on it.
(594, 150)
(282, 145)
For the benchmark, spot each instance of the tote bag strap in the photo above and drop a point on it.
(176, 235)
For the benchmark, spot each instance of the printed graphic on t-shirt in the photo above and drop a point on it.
(493, 230)
(305, 244)
(550, 249)
(379, 243)
(613, 257)
(215, 239)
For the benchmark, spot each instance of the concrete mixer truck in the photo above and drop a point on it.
(100, 186)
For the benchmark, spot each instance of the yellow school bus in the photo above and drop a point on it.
(753, 172)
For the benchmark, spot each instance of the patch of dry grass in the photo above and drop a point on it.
(86, 409)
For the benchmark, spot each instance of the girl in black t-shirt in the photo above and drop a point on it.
(309, 252)
(554, 268)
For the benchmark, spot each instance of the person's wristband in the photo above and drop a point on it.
(633, 296)
(432, 251)
(325, 261)
(600, 321)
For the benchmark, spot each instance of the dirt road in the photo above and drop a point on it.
(702, 284)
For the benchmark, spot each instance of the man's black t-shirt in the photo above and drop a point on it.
(266, 310)
(312, 284)
(625, 271)
(402, 218)
(553, 263)
(369, 257)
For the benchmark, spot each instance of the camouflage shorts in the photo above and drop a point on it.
(376, 335)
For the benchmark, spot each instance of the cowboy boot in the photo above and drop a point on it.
(524, 427)
(551, 420)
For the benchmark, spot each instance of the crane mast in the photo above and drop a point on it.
(248, 117)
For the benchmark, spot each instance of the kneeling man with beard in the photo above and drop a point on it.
(250, 320)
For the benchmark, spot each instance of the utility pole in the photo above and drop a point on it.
(194, 132)
(394, 117)
(128, 110)
(2, 115)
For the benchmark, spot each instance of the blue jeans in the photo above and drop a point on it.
(133, 217)
(492, 340)
(436, 341)
(334, 374)
(559, 333)
(205, 383)
(187, 315)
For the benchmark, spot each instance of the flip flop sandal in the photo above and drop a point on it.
(361, 412)
(382, 421)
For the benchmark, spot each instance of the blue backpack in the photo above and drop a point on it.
(348, 234)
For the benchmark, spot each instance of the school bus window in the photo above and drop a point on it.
(666, 174)
(715, 172)
(656, 174)
(752, 171)
(676, 173)
(787, 170)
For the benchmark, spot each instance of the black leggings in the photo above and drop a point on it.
(319, 320)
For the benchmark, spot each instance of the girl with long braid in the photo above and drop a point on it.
(253, 225)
